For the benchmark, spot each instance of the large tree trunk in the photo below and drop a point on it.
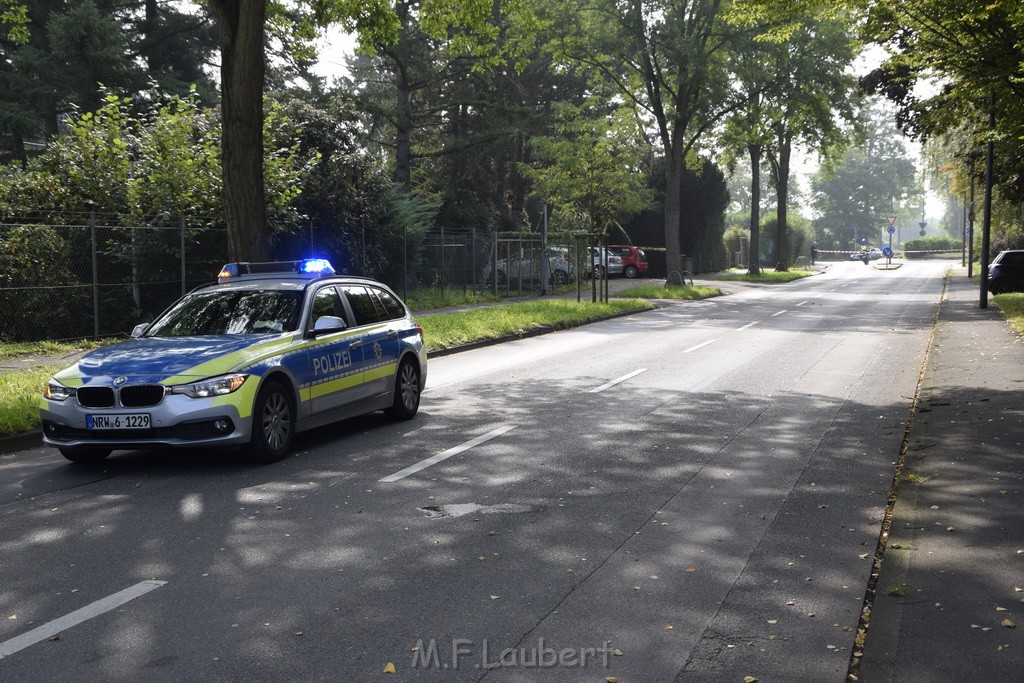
(673, 215)
(242, 72)
(403, 108)
(754, 255)
(151, 50)
(782, 193)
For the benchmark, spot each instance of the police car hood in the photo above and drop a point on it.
(173, 360)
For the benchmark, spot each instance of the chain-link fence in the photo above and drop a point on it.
(73, 276)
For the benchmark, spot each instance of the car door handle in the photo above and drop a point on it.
(393, 334)
(355, 345)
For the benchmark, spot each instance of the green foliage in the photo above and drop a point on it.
(971, 47)
(931, 243)
(164, 160)
(873, 179)
(590, 168)
(34, 256)
(14, 20)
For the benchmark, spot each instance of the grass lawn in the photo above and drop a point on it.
(444, 330)
(769, 276)
(1012, 306)
(670, 292)
(425, 299)
(47, 348)
(19, 399)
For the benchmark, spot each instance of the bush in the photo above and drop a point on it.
(37, 295)
(933, 243)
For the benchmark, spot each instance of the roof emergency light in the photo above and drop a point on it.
(311, 267)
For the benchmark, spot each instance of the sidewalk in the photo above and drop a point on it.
(950, 597)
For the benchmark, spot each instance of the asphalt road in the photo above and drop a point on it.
(691, 494)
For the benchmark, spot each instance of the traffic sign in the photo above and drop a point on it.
(891, 219)
(887, 252)
(890, 230)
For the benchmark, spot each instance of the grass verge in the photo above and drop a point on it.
(425, 299)
(48, 348)
(768, 276)
(670, 292)
(445, 330)
(1012, 306)
(19, 399)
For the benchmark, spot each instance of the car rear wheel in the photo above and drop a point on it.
(631, 272)
(559, 277)
(273, 424)
(82, 455)
(407, 392)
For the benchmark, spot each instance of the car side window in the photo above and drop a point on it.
(327, 301)
(1012, 259)
(363, 306)
(391, 304)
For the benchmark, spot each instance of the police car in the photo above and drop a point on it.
(272, 349)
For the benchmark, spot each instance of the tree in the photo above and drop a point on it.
(593, 166)
(813, 103)
(874, 179)
(973, 50)
(667, 58)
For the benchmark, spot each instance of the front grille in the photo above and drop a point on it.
(95, 397)
(142, 395)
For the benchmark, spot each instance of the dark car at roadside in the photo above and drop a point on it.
(1006, 272)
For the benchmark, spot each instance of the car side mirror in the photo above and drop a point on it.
(138, 330)
(328, 323)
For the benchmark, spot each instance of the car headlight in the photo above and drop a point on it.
(55, 391)
(217, 386)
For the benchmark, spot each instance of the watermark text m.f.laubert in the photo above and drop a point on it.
(463, 653)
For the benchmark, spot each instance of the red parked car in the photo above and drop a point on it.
(634, 263)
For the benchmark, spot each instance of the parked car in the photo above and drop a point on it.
(601, 257)
(525, 266)
(270, 350)
(634, 261)
(1006, 272)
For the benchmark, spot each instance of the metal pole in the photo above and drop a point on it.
(181, 226)
(405, 261)
(95, 279)
(963, 236)
(545, 266)
(970, 226)
(442, 262)
(986, 225)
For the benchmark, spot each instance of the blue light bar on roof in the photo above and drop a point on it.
(318, 266)
(312, 267)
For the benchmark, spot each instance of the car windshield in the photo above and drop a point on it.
(230, 312)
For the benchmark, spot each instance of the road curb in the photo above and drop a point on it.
(20, 442)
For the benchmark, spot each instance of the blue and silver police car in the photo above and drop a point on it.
(270, 350)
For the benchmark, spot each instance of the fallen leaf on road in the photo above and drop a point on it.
(691, 569)
(668, 627)
(617, 652)
(1008, 624)
(389, 668)
(749, 679)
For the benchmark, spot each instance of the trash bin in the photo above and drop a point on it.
(687, 262)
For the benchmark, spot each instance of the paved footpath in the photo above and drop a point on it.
(950, 599)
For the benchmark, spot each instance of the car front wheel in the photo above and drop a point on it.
(85, 455)
(273, 424)
(407, 392)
